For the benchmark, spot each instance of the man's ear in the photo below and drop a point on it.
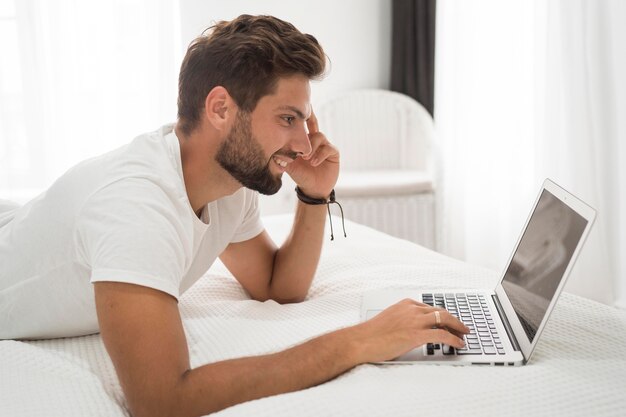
(219, 107)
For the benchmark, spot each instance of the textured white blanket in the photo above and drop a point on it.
(578, 369)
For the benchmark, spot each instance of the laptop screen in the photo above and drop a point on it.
(541, 258)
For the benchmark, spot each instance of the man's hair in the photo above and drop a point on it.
(246, 56)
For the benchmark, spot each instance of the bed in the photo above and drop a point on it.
(578, 369)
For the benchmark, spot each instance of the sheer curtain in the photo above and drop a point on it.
(80, 78)
(528, 90)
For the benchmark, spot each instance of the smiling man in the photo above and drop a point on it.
(113, 244)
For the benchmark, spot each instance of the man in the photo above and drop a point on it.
(114, 242)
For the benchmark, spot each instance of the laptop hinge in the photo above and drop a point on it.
(507, 326)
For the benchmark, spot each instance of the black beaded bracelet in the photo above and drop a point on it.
(318, 202)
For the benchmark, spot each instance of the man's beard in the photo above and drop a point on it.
(242, 157)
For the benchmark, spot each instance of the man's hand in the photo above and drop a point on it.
(405, 326)
(316, 173)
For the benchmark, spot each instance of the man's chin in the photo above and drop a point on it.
(270, 191)
(267, 189)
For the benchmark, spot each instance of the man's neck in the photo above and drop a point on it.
(205, 179)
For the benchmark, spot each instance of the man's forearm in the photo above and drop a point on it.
(296, 260)
(219, 385)
(158, 381)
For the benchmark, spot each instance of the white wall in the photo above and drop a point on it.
(355, 34)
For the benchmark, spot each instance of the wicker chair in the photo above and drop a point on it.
(388, 162)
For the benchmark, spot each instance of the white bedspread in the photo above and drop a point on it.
(578, 369)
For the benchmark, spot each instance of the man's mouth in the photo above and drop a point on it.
(279, 161)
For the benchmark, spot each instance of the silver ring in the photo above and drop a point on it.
(438, 317)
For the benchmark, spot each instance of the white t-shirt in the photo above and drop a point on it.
(122, 217)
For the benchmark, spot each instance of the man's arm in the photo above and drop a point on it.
(284, 274)
(142, 331)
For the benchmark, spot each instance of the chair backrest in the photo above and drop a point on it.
(378, 129)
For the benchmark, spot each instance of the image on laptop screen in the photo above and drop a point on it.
(541, 258)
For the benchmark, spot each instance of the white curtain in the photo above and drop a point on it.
(524, 91)
(79, 78)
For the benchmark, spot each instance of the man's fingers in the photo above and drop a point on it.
(311, 123)
(321, 149)
(452, 323)
(446, 319)
(456, 333)
(445, 337)
(317, 139)
(412, 301)
(323, 153)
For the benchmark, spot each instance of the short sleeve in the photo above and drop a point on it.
(251, 224)
(132, 231)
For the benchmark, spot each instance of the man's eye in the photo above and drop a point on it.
(289, 119)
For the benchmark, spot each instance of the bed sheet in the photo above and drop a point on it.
(578, 368)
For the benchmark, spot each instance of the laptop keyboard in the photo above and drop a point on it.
(473, 311)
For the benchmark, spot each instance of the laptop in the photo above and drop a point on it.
(506, 322)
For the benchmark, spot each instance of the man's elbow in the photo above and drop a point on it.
(290, 300)
(280, 298)
(167, 404)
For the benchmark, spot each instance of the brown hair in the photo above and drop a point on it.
(246, 56)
